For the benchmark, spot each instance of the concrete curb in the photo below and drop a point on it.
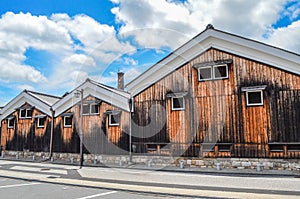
(137, 188)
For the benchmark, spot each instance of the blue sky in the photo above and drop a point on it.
(51, 46)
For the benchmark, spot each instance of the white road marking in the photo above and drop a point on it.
(18, 185)
(100, 194)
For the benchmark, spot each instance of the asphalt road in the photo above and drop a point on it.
(22, 189)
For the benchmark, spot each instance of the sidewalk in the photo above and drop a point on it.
(167, 180)
(186, 169)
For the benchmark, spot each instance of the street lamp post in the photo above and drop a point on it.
(77, 93)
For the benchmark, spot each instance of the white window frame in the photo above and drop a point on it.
(213, 77)
(90, 109)
(183, 104)
(109, 120)
(26, 113)
(213, 71)
(67, 116)
(255, 104)
(98, 109)
(8, 120)
(38, 122)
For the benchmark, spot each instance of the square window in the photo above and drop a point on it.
(85, 109)
(22, 113)
(25, 113)
(114, 119)
(94, 108)
(254, 98)
(11, 123)
(41, 122)
(68, 120)
(220, 72)
(178, 103)
(28, 113)
(205, 73)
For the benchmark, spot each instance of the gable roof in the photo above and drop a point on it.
(115, 97)
(41, 101)
(213, 38)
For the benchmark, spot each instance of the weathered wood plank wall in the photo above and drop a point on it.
(26, 135)
(216, 110)
(98, 136)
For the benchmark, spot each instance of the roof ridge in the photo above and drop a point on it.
(253, 40)
(44, 94)
(95, 82)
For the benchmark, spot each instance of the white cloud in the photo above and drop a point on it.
(79, 60)
(161, 23)
(10, 71)
(79, 46)
(130, 61)
(286, 37)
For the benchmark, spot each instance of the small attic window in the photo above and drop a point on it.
(205, 73)
(213, 70)
(220, 71)
(25, 113)
(178, 103)
(68, 121)
(40, 120)
(11, 122)
(90, 108)
(114, 119)
(177, 100)
(254, 95)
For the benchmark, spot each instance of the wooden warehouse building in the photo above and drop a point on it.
(218, 95)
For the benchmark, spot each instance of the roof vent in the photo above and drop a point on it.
(210, 26)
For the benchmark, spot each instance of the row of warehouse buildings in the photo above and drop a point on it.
(218, 95)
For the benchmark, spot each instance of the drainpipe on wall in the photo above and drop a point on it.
(51, 134)
(130, 134)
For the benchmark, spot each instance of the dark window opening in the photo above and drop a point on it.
(41, 121)
(11, 123)
(85, 109)
(94, 108)
(114, 119)
(23, 113)
(293, 147)
(220, 71)
(224, 147)
(68, 121)
(205, 73)
(276, 147)
(178, 103)
(254, 98)
(28, 113)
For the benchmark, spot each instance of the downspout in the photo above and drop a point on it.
(130, 128)
(52, 133)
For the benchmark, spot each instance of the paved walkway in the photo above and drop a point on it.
(169, 180)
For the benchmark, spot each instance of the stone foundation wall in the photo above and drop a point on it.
(239, 163)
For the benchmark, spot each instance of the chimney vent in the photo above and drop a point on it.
(120, 80)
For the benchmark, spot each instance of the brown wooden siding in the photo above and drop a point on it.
(26, 135)
(98, 137)
(216, 110)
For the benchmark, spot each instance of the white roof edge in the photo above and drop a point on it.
(91, 88)
(228, 42)
(19, 100)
